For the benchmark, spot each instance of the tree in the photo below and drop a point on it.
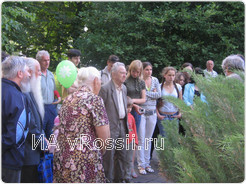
(213, 149)
(14, 32)
(50, 26)
(164, 33)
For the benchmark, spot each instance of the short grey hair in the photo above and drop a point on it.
(31, 63)
(233, 62)
(86, 76)
(12, 65)
(116, 66)
(209, 60)
(41, 53)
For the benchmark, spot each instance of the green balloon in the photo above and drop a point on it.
(66, 73)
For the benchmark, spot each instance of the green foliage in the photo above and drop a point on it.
(51, 26)
(188, 167)
(12, 25)
(164, 33)
(213, 148)
(170, 145)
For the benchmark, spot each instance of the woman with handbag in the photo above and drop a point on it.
(83, 120)
(167, 110)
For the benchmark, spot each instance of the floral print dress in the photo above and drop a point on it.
(78, 158)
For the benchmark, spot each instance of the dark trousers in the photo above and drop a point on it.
(29, 174)
(129, 165)
(114, 160)
(181, 129)
(49, 116)
(11, 176)
(155, 135)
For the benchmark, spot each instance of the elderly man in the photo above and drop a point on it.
(15, 117)
(48, 87)
(105, 73)
(29, 171)
(209, 72)
(115, 100)
(231, 64)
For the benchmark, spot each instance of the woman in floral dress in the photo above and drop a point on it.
(83, 119)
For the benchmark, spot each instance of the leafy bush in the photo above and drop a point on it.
(213, 148)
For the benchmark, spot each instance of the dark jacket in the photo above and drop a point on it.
(15, 124)
(32, 154)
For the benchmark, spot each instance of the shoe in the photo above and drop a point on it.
(149, 169)
(142, 170)
(134, 175)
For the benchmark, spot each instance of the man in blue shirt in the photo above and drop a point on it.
(48, 87)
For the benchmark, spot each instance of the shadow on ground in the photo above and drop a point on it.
(155, 177)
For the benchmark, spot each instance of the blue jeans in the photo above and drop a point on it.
(167, 117)
(49, 116)
(137, 118)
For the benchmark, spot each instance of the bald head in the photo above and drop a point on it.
(210, 65)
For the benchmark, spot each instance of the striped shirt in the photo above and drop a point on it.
(152, 96)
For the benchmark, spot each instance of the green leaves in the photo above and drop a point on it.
(164, 33)
(33, 26)
(213, 149)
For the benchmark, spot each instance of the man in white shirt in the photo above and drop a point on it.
(209, 72)
(114, 95)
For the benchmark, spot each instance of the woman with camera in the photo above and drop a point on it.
(148, 119)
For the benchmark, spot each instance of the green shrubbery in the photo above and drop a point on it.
(164, 33)
(213, 148)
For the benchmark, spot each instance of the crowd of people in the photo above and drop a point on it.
(106, 120)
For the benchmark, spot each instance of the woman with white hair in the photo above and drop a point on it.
(83, 124)
(231, 64)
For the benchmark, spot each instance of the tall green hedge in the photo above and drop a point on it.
(164, 33)
(212, 151)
